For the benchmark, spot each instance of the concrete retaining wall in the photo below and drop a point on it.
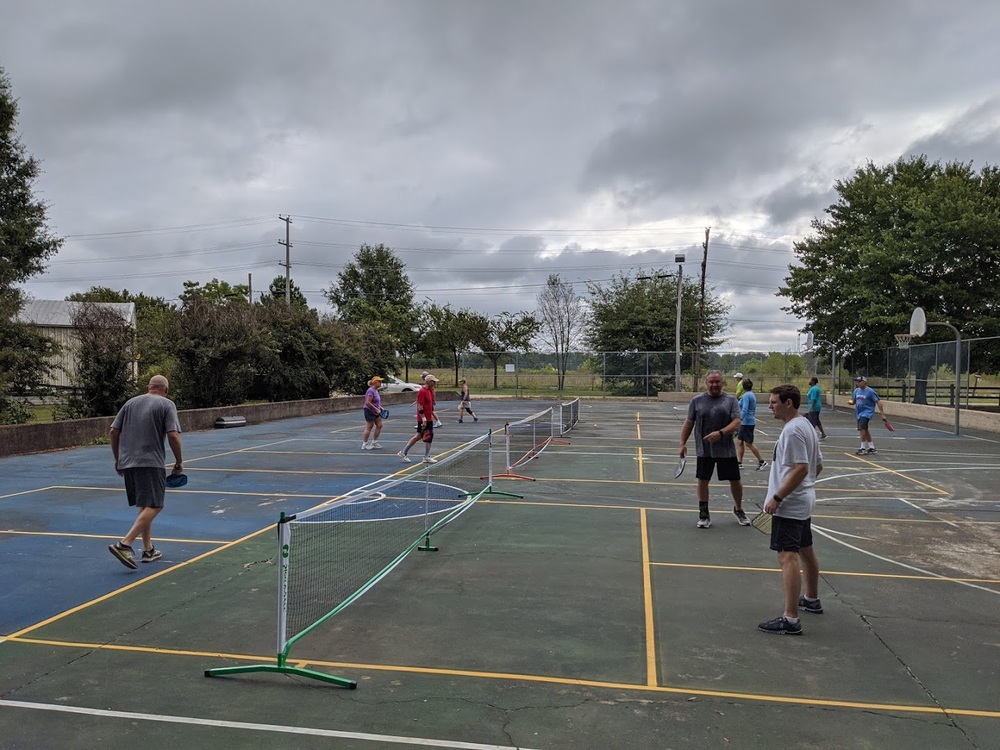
(35, 438)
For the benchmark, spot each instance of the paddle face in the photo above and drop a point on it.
(384, 414)
(762, 521)
(175, 481)
(889, 426)
(680, 467)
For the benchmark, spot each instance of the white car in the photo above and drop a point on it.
(395, 385)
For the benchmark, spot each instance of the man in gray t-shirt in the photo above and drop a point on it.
(137, 436)
(714, 417)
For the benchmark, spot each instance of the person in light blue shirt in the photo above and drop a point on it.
(865, 401)
(815, 399)
(748, 421)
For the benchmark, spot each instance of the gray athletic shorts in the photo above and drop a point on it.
(145, 486)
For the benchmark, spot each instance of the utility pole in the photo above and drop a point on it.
(250, 288)
(701, 314)
(288, 257)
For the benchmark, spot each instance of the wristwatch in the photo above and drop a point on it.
(777, 498)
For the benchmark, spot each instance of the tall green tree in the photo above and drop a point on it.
(218, 348)
(295, 295)
(299, 363)
(638, 313)
(105, 376)
(153, 322)
(913, 233)
(563, 316)
(506, 333)
(452, 332)
(25, 244)
(216, 292)
(374, 287)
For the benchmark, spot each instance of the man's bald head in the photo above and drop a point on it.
(158, 384)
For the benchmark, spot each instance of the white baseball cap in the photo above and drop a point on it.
(428, 378)
(738, 375)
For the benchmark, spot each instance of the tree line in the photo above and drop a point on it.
(907, 234)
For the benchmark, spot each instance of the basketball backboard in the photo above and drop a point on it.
(918, 322)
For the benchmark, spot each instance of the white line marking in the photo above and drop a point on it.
(928, 513)
(310, 731)
(828, 533)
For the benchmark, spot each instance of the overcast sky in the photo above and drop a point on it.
(489, 143)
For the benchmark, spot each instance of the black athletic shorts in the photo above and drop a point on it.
(790, 534)
(729, 470)
(426, 431)
(145, 486)
(813, 417)
(746, 433)
(863, 423)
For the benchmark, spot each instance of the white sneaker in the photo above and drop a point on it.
(366, 446)
(375, 446)
(429, 460)
(406, 459)
(438, 423)
(762, 465)
(704, 522)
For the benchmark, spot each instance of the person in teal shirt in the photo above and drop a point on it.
(815, 399)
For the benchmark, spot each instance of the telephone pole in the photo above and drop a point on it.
(701, 314)
(288, 257)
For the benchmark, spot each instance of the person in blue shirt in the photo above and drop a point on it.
(748, 420)
(815, 399)
(865, 401)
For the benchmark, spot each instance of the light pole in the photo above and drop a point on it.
(679, 260)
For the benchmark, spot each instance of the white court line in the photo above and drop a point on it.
(828, 533)
(277, 728)
(929, 514)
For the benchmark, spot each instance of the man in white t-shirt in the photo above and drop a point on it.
(791, 497)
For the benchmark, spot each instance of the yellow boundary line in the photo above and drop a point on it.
(647, 595)
(543, 679)
(752, 569)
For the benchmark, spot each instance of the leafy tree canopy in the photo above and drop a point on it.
(910, 234)
(374, 284)
(277, 291)
(216, 292)
(639, 314)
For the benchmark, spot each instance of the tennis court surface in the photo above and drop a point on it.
(589, 612)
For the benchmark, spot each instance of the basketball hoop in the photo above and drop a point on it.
(903, 340)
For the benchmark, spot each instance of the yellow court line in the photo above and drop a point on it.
(192, 492)
(854, 574)
(105, 536)
(541, 679)
(146, 579)
(647, 594)
(898, 474)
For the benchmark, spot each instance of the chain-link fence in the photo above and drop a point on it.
(923, 373)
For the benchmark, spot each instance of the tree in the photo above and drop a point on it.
(373, 282)
(374, 287)
(25, 245)
(218, 349)
(277, 291)
(562, 314)
(216, 292)
(299, 363)
(452, 331)
(506, 332)
(105, 373)
(639, 314)
(154, 318)
(910, 234)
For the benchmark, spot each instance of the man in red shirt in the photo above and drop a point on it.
(425, 421)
